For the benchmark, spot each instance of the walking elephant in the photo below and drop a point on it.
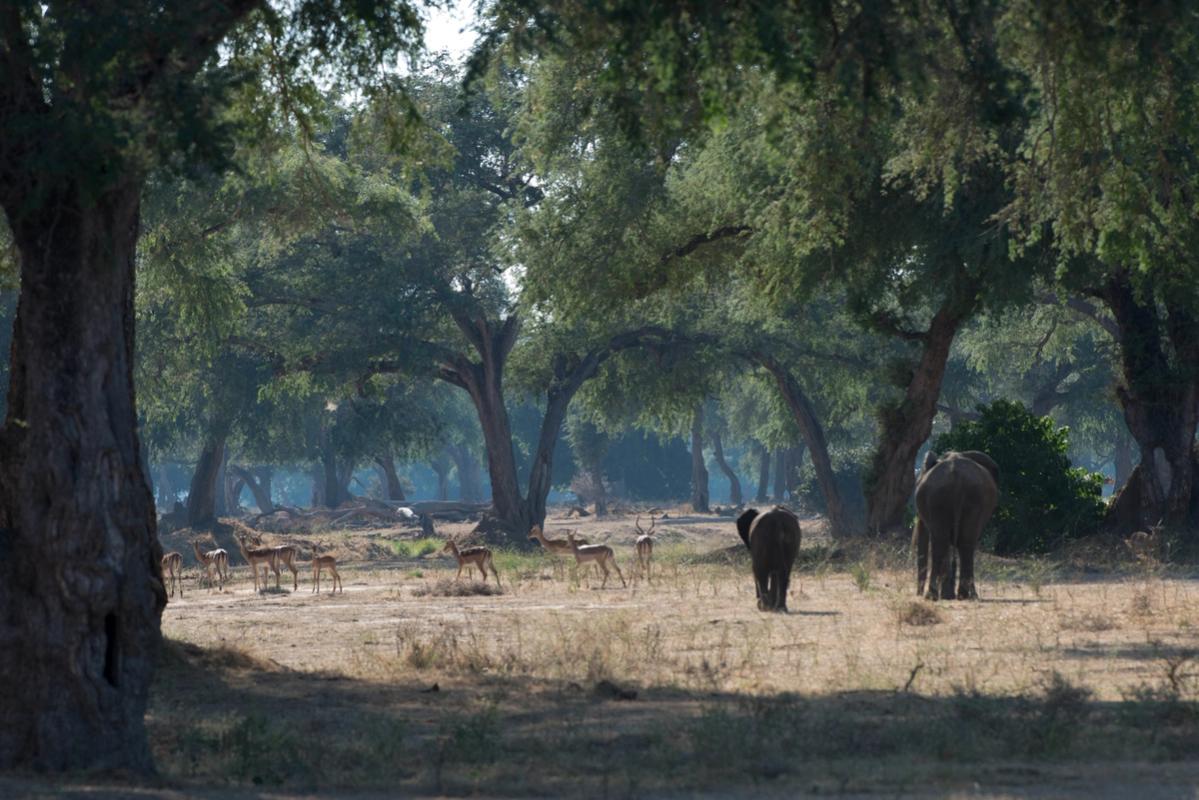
(773, 542)
(956, 495)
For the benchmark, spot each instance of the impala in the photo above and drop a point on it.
(479, 557)
(599, 554)
(172, 565)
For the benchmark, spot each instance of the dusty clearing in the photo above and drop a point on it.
(1050, 686)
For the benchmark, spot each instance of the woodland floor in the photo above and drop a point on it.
(1073, 677)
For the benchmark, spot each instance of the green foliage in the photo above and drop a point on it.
(1043, 499)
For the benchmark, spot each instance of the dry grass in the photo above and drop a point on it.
(862, 688)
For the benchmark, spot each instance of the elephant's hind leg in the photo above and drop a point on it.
(920, 544)
(950, 580)
(938, 574)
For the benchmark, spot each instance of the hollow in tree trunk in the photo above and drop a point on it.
(699, 471)
(734, 482)
(81, 591)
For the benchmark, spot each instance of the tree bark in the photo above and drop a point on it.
(1122, 461)
(905, 428)
(205, 483)
(699, 471)
(763, 474)
(734, 482)
(81, 591)
(391, 480)
(841, 522)
(1159, 396)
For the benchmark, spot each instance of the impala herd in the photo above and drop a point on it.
(269, 559)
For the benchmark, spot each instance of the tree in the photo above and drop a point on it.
(93, 97)
(1113, 91)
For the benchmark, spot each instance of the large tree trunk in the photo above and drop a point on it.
(441, 466)
(905, 428)
(763, 474)
(734, 482)
(780, 475)
(335, 479)
(1160, 398)
(841, 522)
(469, 485)
(81, 591)
(205, 484)
(392, 485)
(699, 471)
(484, 381)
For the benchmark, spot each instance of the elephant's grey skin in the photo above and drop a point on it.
(773, 542)
(956, 495)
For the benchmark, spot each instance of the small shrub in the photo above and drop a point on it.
(1042, 499)
(918, 614)
(447, 587)
(862, 575)
(415, 548)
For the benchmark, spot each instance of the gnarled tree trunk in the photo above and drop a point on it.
(780, 475)
(81, 590)
(905, 428)
(1159, 394)
(734, 482)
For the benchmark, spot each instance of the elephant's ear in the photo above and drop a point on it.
(984, 460)
(744, 521)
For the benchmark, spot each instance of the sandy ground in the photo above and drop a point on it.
(1100, 666)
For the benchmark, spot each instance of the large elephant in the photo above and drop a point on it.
(773, 542)
(955, 496)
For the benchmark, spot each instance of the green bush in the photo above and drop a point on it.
(1043, 500)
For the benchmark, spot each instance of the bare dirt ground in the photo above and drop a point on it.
(1062, 682)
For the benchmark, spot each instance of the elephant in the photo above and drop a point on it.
(956, 495)
(773, 542)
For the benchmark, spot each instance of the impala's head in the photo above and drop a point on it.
(535, 533)
(570, 537)
(450, 547)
